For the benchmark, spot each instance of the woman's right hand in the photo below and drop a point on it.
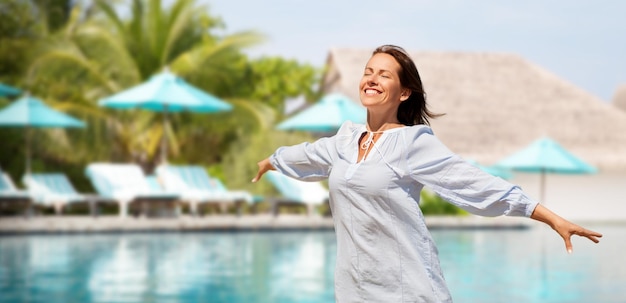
(264, 166)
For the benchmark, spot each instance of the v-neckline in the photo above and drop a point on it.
(372, 146)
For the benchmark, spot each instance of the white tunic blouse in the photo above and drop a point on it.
(384, 250)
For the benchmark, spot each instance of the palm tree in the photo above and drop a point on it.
(100, 53)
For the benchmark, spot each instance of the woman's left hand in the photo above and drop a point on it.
(566, 229)
(563, 227)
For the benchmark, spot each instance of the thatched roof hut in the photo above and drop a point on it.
(498, 103)
(619, 99)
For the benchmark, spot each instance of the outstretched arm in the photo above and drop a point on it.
(563, 227)
(264, 166)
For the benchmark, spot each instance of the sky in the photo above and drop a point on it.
(583, 42)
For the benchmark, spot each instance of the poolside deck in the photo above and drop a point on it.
(85, 224)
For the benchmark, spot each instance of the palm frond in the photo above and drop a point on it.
(187, 62)
(262, 115)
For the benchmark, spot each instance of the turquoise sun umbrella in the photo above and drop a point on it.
(29, 112)
(326, 115)
(165, 92)
(546, 156)
(8, 91)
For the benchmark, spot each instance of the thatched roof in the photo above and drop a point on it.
(496, 104)
(619, 99)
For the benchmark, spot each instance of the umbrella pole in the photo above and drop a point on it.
(164, 137)
(28, 134)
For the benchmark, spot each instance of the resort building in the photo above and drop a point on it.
(495, 104)
(619, 99)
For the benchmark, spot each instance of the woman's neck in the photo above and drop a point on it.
(376, 123)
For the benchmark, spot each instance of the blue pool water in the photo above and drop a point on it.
(284, 267)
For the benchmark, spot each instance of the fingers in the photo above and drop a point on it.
(568, 244)
(258, 176)
(594, 239)
(264, 166)
(591, 235)
(594, 234)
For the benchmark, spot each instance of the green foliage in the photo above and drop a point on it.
(54, 13)
(432, 204)
(155, 36)
(72, 56)
(23, 25)
(92, 58)
(275, 79)
(20, 27)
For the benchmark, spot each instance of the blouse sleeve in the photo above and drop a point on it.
(457, 181)
(308, 161)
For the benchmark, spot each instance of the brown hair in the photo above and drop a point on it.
(412, 111)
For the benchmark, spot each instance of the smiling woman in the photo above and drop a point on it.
(380, 80)
(385, 70)
(375, 174)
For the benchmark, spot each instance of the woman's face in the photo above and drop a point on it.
(380, 84)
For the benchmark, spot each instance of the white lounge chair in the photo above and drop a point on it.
(127, 184)
(13, 198)
(195, 185)
(296, 192)
(56, 190)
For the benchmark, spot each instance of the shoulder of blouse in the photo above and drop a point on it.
(413, 132)
(348, 128)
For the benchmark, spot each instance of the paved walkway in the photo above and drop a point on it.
(83, 224)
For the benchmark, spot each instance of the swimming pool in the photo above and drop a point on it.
(284, 267)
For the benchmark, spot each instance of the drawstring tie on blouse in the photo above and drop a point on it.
(370, 139)
(368, 143)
